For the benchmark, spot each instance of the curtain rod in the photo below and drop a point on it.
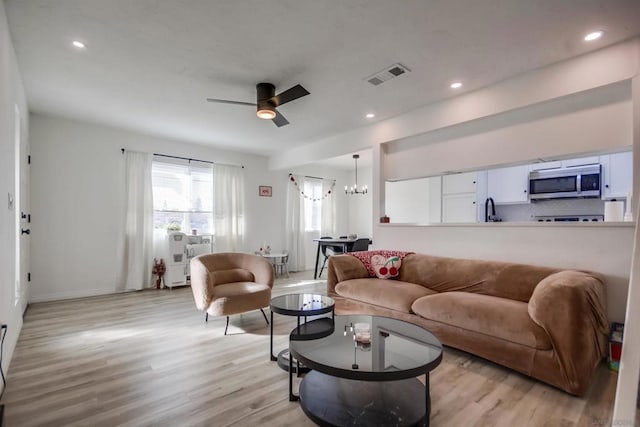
(189, 159)
(315, 177)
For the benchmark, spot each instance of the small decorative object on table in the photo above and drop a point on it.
(362, 336)
(615, 345)
(159, 268)
(353, 236)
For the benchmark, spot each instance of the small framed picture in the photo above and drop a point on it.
(264, 190)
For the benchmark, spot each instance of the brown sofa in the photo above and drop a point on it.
(547, 323)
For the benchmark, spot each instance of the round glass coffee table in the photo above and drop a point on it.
(370, 380)
(301, 305)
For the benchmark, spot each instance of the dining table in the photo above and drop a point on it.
(346, 245)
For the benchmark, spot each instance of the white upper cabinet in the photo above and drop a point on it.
(581, 161)
(546, 165)
(617, 174)
(459, 183)
(462, 194)
(509, 185)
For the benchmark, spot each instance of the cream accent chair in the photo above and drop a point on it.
(230, 283)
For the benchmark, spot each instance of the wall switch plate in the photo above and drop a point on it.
(10, 201)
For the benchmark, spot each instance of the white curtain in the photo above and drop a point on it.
(328, 216)
(294, 224)
(228, 208)
(138, 229)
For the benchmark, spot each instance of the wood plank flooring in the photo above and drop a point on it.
(148, 359)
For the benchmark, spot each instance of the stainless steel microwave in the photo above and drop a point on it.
(571, 182)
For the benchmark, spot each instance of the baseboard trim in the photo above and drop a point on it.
(57, 296)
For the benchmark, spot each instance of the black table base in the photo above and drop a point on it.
(283, 363)
(333, 401)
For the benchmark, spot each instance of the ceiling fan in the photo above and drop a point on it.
(267, 101)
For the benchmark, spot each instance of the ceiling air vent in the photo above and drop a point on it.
(388, 73)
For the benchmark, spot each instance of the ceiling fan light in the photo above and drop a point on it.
(266, 114)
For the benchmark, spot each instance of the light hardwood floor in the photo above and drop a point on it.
(148, 358)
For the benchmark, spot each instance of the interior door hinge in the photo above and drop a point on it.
(28, 277)
(29, 159)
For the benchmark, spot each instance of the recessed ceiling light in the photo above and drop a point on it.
(78, 44)
(370, 115)
(593, 36)
(456, 85)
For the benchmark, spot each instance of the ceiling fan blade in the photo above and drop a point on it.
(224, 101)
(290, 95)
(279, 119)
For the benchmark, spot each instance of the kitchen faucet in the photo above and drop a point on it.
(492, 217)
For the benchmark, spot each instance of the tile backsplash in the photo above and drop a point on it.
(556, 207)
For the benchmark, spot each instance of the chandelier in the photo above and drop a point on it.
(354, 188)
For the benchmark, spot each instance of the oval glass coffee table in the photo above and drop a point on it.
(372, 382)
(301, 305)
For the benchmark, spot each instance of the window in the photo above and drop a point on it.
(183, 197)
(312, 205)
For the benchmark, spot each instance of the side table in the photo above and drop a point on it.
(300, 305)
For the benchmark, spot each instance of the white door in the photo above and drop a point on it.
(21, 211)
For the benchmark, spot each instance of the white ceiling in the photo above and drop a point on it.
(150, 64)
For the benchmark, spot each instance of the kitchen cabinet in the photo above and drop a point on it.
(460, 207)
(546, 165)
(581, 161)
(567, 163)
(509, 185)
(617, 175)
(459, 183)
(461, 195)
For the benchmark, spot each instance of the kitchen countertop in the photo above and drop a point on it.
(629, 224)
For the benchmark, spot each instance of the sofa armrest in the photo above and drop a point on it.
(261, 268)
(201, 283)
(571, 307)
(344, 267)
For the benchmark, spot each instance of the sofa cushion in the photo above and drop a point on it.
(238, 297)
(498, 279)
(386, 267)
(231, 275)
(499, 317)
(392, 294)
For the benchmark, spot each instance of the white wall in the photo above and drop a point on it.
(77, 202)
(600, 68)
(591, 121)
(360, 206)
(11, 94)
(342, 207)
(408, 201)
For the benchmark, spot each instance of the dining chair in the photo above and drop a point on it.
(360, 245)
(327, 251)
(281, 264)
